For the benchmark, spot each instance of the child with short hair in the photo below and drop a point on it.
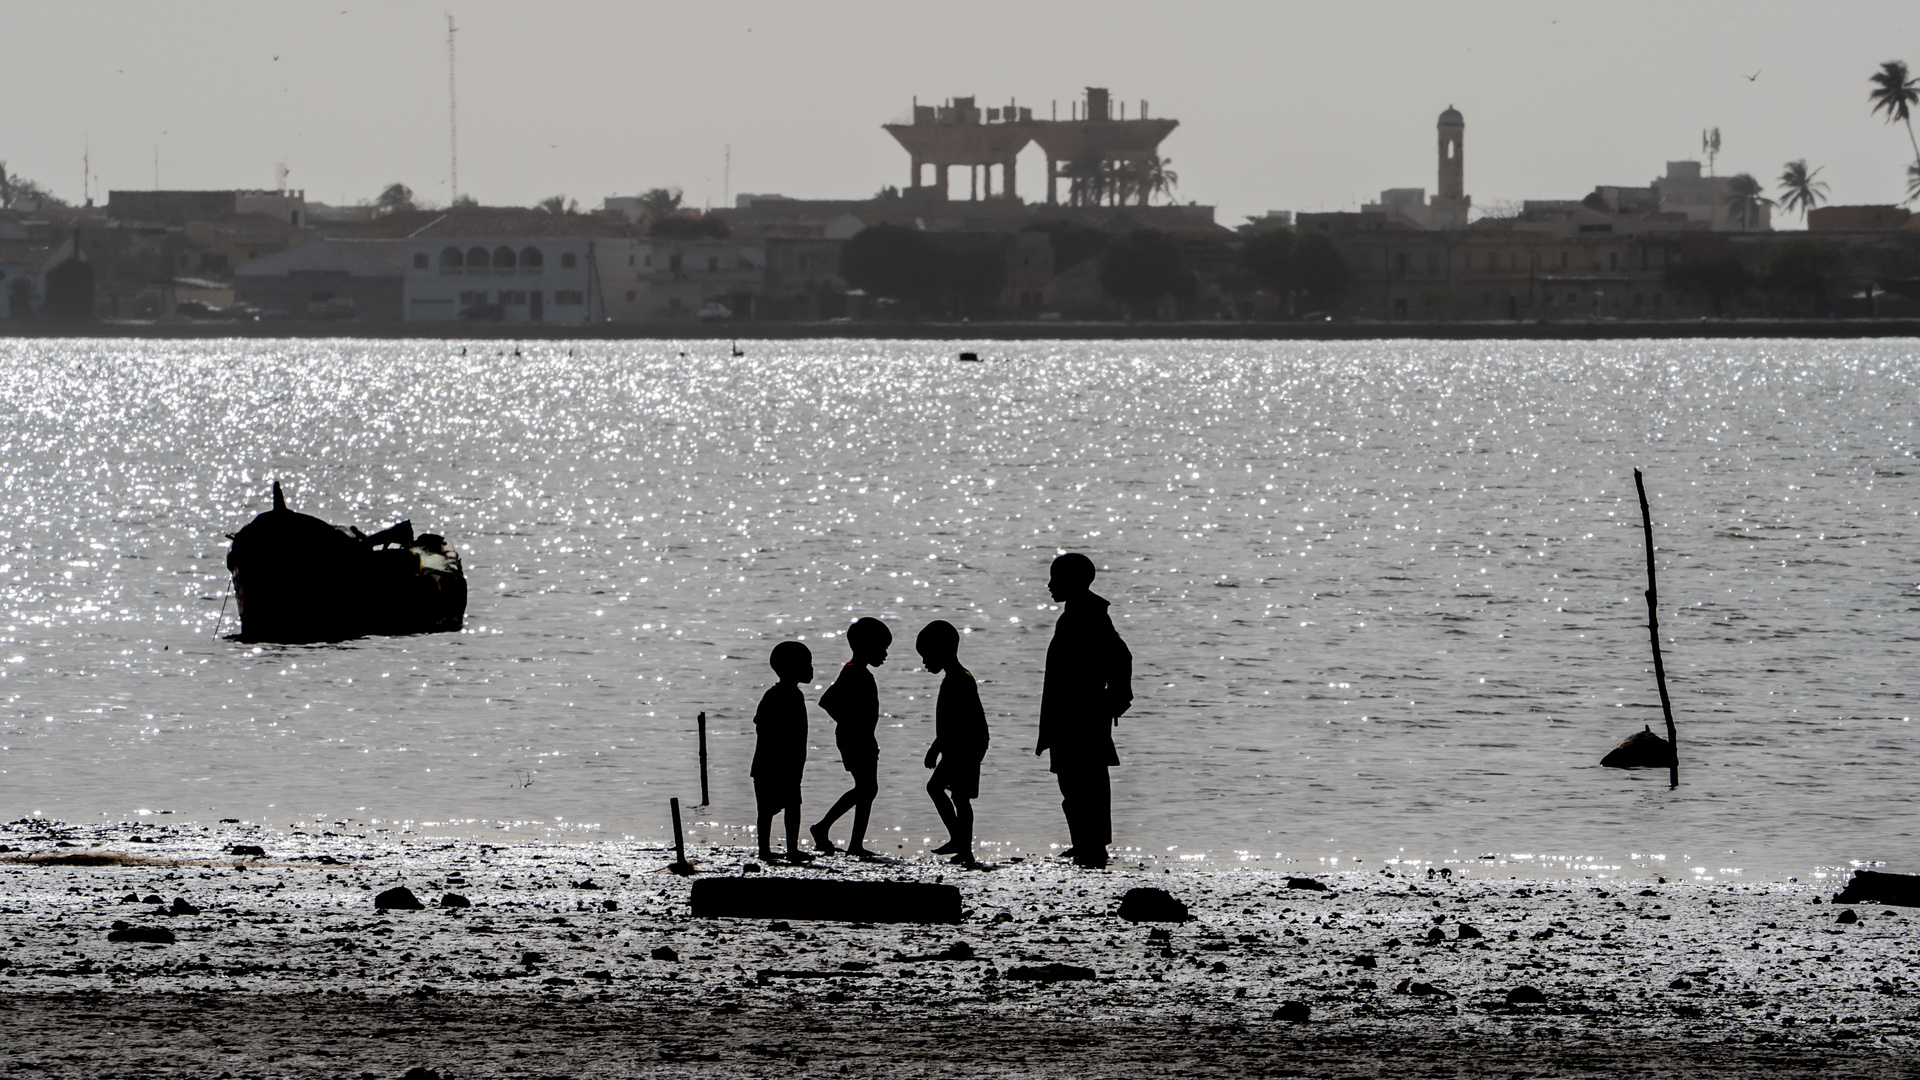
(854, 703)
(959, 740)
(780, 747)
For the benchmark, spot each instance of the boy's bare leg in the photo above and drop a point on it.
(794, 854)
(865, 787)
(963, 832)
(766, 833)
(944, 807)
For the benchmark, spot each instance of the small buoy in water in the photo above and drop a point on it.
(1640, 750)
(975, 357)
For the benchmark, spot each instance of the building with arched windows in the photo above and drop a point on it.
(514, 266)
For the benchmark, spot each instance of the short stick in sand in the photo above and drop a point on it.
(1653, 628)
(680, 864)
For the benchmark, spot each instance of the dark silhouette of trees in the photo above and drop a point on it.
(1142, 266)
(660, 201)
(15, 189)
(465, 202)
(557, 204)
(1296, 267)
(1714, 280)
(1798, 188)
(711, 225)
(963, 274)
(1744, 198)
(1073, 242)
(1805, 271)
(394, 199)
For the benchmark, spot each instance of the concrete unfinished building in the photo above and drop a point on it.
(1104, 157)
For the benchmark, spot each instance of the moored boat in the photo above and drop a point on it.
(299, 579)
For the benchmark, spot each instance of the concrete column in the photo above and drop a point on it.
(973, 183)
(916, 173)
(940, 178)
(1007, 174)
(986, 181)
(1053, 182)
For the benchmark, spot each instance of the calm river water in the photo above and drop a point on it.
(1384, 598)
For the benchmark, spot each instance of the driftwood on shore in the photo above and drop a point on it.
(299, 579)
(829, 901)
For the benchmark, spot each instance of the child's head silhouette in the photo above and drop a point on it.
(792, 661)
(869, 638)
(938, 644)
(1072, 575)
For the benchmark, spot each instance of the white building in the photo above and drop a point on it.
(520, 267)
(677, 279)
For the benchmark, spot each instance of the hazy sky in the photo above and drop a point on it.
(1281, 106)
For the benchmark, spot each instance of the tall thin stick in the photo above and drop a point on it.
(1653, 629)
(703, 759)
(679, 841)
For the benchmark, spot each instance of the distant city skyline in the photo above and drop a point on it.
(1280, 107)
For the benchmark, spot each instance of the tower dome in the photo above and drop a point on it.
(1452, 116)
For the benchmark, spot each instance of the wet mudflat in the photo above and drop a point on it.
(580, 960)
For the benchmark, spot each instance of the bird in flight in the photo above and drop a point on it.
(1756, 75)
(276, 58)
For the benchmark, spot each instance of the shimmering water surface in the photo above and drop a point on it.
(1384, 598)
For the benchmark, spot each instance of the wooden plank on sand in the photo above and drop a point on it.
(831, 901)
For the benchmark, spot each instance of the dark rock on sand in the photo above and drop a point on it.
(398, 898)
(181, 907)
(665, 952)
(1293, 1012)
(454, 899)
(1365, 960)
(155, 935)
(1152, 905)
(1872, 886)
(254, 850)
(1051, 973)
(421, 1072)
(1306, 883)
(1640, 750)
(1680, 984)
(152, 898)
(1526, 995)
(130, 898)
(1468, 933)
(1847, 916)
(1436, 935)
(1420, 989)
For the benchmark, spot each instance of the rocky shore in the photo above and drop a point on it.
(148, 951)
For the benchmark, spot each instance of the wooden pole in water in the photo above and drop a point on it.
(679, 841)
(1653, 629)
(703, 760)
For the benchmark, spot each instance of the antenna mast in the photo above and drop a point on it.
(453, 120)
(726, 182)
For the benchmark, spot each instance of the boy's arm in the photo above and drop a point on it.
(1119, 675)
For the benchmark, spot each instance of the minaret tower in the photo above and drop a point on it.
(1450, 201)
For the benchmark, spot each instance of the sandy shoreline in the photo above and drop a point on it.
(561, 968)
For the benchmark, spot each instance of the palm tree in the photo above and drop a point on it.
(1158, 179)
(1744, 198)
(1895, 93)
(1800, 190)
(1913, 182)
(558, 204)
(1088, 179)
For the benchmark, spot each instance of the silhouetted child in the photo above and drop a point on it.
(854, 703)
(959, 740)
(780, 747)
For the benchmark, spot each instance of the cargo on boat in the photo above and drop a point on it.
(299, 579)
